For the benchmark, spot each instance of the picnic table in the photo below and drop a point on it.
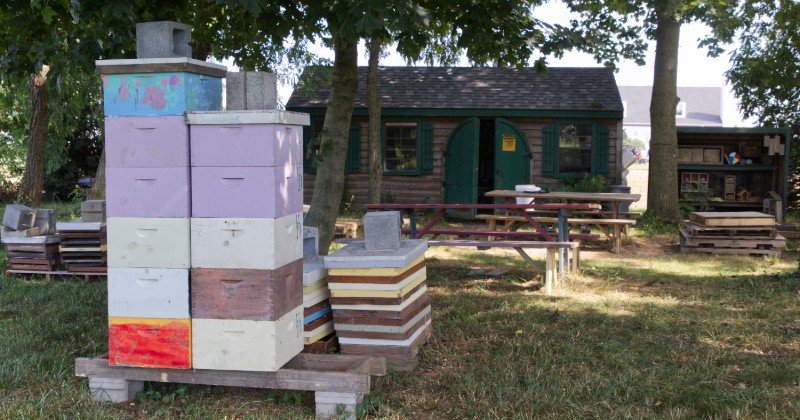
(559, 243)
(614, 220)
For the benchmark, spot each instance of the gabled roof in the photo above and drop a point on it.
(703, 105)
(590, 89)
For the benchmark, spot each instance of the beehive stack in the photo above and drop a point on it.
(317, 313)
(28, 235)
(148, 195)
(247, 245)
(379, 293)
(740, 233)
(83, 246)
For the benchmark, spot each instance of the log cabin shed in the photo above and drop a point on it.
(450, 134)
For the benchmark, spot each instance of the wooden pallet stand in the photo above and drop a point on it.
(87, 276)
(334, 379)
(738, 233)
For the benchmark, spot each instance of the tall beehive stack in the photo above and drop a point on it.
(247, 244)
(379, 293)
(317, 313)
(148, 193)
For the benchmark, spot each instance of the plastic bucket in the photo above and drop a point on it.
(525, 188)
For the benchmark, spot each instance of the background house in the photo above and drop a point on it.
(697, 107)
(451, 134)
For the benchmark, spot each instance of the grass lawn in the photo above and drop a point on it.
(647, 333)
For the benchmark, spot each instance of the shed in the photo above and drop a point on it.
(450, 134)
(728, 168)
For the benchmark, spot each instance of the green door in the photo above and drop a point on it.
(461, 167)
(512, 156)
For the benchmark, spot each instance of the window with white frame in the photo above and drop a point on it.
(680, 110)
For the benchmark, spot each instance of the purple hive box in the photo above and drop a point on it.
(147, 142)
(147, 192)
(246, 145)
(247, 192)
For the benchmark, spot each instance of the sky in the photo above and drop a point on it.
(695, 68)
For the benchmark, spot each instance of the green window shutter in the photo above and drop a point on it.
(353, 161)
(600, 150)
(425, 159)
(550, 150)
(309, 165)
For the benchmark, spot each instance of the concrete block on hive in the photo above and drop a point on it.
(310, 243)
(45, 221)
(382, 230)
(93, 210)
(163, 39)
(251, 90)
(19, 217)
(356, 255)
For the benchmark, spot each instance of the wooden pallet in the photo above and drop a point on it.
(336, 380)
(347, 228)
(696, 229)
(750, 242)
(733, 251)
(87, 276)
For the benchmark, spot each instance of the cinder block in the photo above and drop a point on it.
(328, 403)
(163, 39)
(45, 221)
(114, 390)
(251, 90)
(382, 230)
(93, 211)
(93, 205)
(19, 217)
(310, 242)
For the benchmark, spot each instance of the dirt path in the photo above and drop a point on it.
(637, 180)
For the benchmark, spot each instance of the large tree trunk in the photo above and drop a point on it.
(375, 161)
(330, 179)
(30, 191)
(662, 193)
(98, 190)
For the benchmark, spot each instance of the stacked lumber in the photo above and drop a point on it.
(739, 233)
(379, 295)
(32, 253)
(29, 236)
(83, 246)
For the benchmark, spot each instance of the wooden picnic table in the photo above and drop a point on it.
(521, 209)
(615, 199)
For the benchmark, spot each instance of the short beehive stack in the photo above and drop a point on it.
(30, 240)
(317, 313)
(379, 292)
(83, 246)
(737, 232)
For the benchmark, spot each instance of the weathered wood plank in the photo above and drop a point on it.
(732, 219)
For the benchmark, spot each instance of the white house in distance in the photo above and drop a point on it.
(697, 107)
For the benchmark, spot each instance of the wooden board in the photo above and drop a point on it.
(148, 292)
(733, 251)
(318, 333)
(378, 279)
(732, 219)
(356, 346)
(389, 334)
(370, 291)
(150, 342)
(378, 302)
(386, 317)
(224, 344)
(246, 294)
(318, 323)
(374, 272)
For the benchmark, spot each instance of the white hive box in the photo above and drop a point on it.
(148, 292)
(148, 242)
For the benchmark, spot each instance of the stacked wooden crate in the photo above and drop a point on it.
(379, 293)
(148, 204)
(83, 246)
(317, 313)
(247, 244)
(741, 233)
(32, 253)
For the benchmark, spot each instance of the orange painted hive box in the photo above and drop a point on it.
(150, 342)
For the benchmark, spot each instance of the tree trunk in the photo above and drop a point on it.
(329, 183)
(662, 193)
(375, 161)
(30, 191)
(98, 190)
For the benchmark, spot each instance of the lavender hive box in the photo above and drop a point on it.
(268, 192)
(147, 192)
(146, 142)
(160, 86)
(245, 144)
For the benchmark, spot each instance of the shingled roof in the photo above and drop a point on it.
(561, 89)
